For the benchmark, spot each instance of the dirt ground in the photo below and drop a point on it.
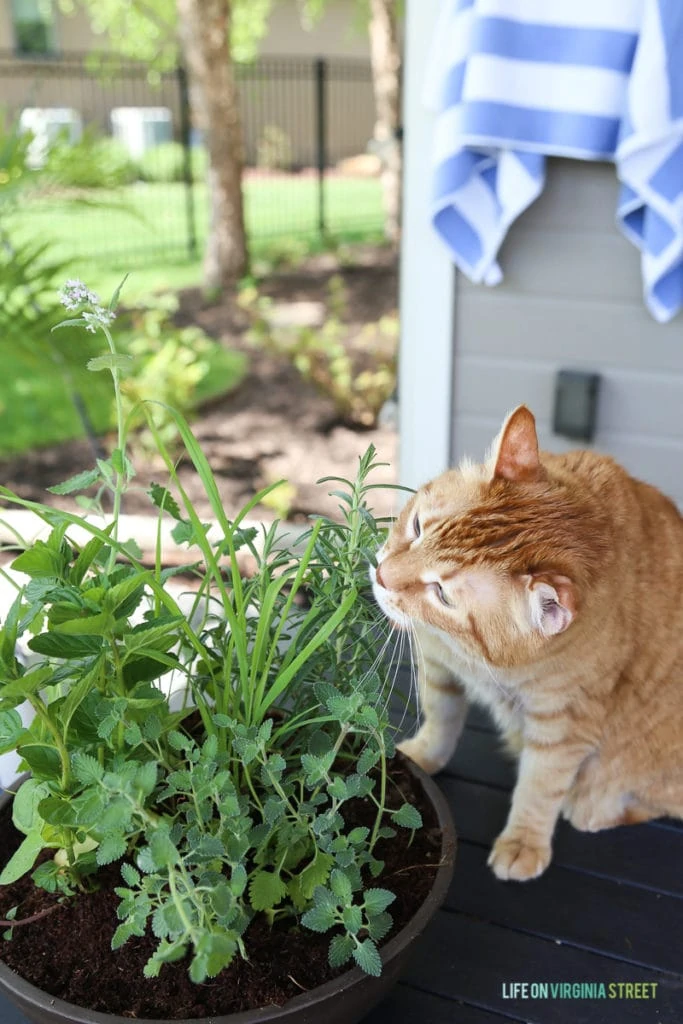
(274, 425)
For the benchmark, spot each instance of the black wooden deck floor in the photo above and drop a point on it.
(608, 910)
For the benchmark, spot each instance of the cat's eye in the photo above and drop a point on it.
(417, 529)
(441, 594)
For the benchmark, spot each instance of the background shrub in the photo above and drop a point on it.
(274, 149)
(93, 162)
(166, 163)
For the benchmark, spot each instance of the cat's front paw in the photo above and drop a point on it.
(419, 751)
(518, 858)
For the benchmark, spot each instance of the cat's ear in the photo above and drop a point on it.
(515, 450)
(552, 603)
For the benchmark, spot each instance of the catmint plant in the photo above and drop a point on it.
(232, 801)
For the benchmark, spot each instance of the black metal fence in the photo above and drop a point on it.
(125, 166)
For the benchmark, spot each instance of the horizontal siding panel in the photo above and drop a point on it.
(644, 403)
(652, 459)
(545, 261)
(557, 207)
(490, 322)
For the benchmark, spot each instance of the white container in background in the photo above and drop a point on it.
(140, 128)
(47, 124)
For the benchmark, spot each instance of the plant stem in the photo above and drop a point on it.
(120, 442)
(383, 795)
(40, 709)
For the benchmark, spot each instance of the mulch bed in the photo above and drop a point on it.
(67, 953)
(273, 426)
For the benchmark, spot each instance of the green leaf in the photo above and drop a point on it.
(266, 890)
(25, 816)
(214, 952)
(380, 926)
(19, 689)
(341, 950)
(367, 760)
(156, 635)
(341, 886)
(407, 816)
(183, 533)
(110, 361)
(316, 873)
(42, 759)
(23, 859)
(163, 851)
(60, 645)
(79, 691)
(40, 560)
(114, 301)
(125, 931)
(377, 900)
(163, 499)
(12, 730)
(319, 918)
(146, 778)
(337, 789)
(367, 957)
(86, 768)
(130, 875)
(99, 624)
(352, 918)
(358, 835)
(112, 847)
(238, 880)
(79, 482)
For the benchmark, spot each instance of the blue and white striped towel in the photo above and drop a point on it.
(515, 80)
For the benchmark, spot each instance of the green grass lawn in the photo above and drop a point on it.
(145, 224)
(37, 409)
(141, 229)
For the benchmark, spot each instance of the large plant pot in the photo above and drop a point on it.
(345, 1000)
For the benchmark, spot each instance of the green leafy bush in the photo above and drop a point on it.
(274, 151)
(213, 752)
(355, 368)
(93, 162)
(175, 367)
(166, 163)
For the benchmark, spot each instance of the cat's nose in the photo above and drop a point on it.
(378, 576)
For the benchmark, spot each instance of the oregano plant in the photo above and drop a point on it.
(213, 749)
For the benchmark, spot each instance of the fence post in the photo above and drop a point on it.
(321, 137)
(185, 130)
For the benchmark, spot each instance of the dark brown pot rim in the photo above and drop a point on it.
(25, 994)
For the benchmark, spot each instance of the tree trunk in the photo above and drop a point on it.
(385, 54)
(205, 36)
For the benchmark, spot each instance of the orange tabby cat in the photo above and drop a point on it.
(550, 588)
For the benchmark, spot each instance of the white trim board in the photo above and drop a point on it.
(427, 288)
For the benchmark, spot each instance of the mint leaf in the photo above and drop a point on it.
(377, 901)
(340, 951)
(112, 847)
(319, 919)
(76, 483)
(87, 768)
(266, 890)
(368, 959)
(341, 886)
(407, 816)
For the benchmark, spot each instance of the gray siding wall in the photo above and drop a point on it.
(571, 299)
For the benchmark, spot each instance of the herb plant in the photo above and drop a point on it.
(213, 749)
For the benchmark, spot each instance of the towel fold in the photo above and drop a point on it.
(514, 81)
